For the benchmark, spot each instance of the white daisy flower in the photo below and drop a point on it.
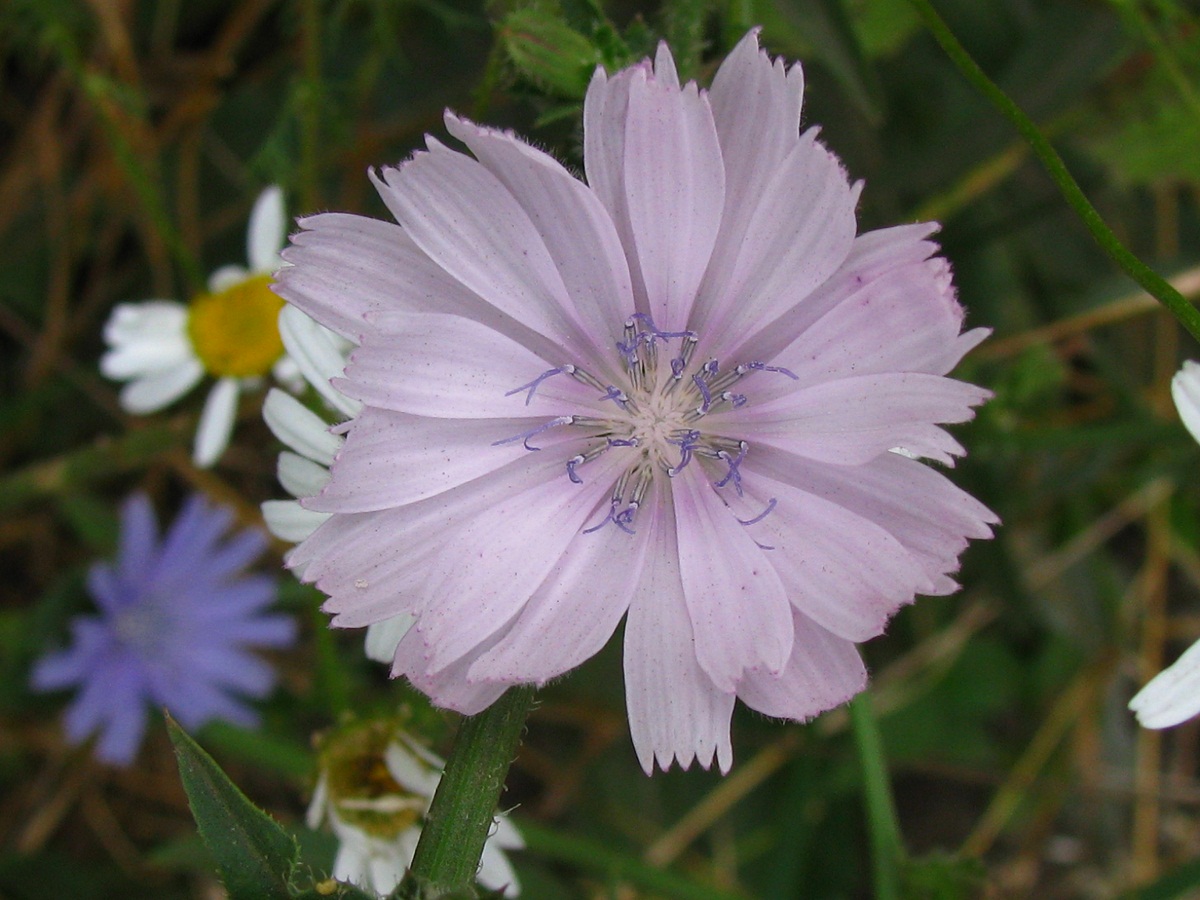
(163, 348)
(1173, 695)
(375, 787)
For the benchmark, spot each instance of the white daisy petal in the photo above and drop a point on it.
(216, 422)
(226, 277)
(289, 521)
(300, 476)
(1185, 390)
(382, 637)
(319, 354)
(153, 391)
(300, 428)
(267, 232)
(1173, 695)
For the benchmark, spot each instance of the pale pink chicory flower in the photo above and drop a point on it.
(671, 394)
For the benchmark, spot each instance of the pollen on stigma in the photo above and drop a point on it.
(235, 332)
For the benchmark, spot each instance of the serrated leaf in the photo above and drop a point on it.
(254, 855)
(333, 890)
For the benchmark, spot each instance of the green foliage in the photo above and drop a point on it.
(549, 52)
(942, 877)
(255, 856)
(257, 859)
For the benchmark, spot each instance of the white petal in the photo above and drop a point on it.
(675, 711)
(316, 808)
(496, 872)
(320, 355)
(1173, 695)
(152, 392)
(1185, 390)
(289, 521)
(382, 637)
(149, 321)
(300, 428)
(267, 232)
(504, 834)
(411, 772)
(226, 277)
(216, 422)
(145, 339)
(300, 476)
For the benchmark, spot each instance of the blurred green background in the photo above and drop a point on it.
(134, 137)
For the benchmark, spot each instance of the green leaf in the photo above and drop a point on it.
(254, 855)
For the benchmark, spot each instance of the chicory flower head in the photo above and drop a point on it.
(177, 618)
(683, 393)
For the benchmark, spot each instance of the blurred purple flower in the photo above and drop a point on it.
(685, 393)
(177, 617)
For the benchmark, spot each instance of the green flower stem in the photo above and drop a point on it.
(464, 805)
(1150, 280)
(887, 846)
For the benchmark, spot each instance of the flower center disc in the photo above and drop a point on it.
(235, 332)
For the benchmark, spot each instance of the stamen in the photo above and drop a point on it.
(571, 464)
(545, 426)
(622, 442)
(615, 393)
(736, 399)
(733, 475)
(762, 515)
(698, 380)
(763, 367)
(652, 331)
(687, 444)
(533, 385)
(586, 377)
(608, 518)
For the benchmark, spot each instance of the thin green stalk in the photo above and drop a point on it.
(887, 846)
(1150, 280)
(461, 814)
(310, 100)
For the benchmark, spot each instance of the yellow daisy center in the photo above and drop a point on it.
(235, 332)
